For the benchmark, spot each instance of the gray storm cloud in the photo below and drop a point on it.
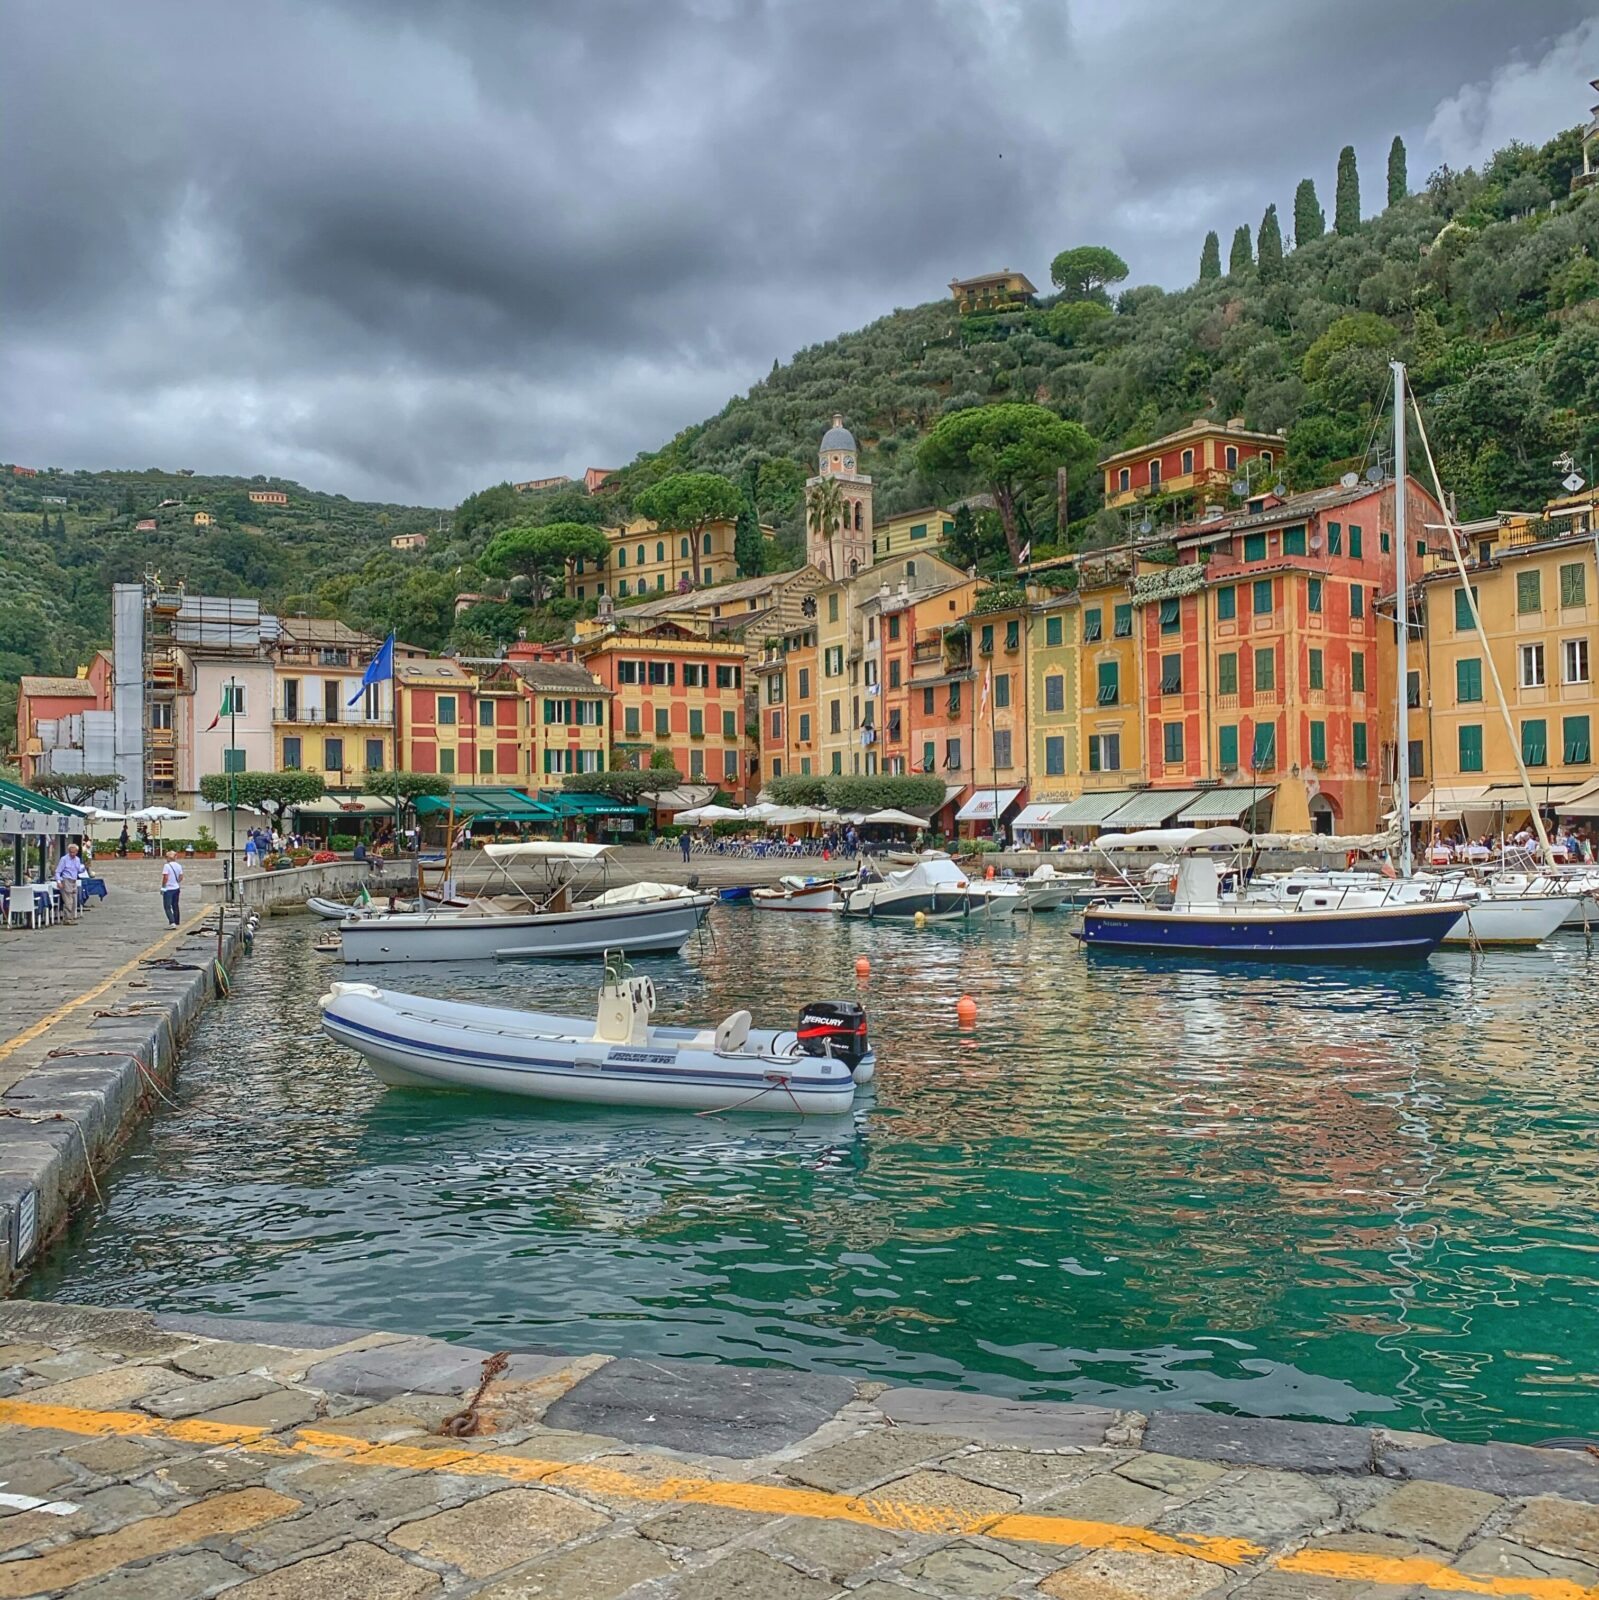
(402, 250)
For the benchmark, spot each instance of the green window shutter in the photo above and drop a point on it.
(1354, 541)
(1093, 754)
(1362, 755)
(1266, 669)
(1468, 680)
(1529, 591)
(985, 641)
(1335, 539)
(1172, 741)
(1093, 624)
(1109, 683)
(1293, 541)
(1463, 622)
(1318, 744)
(1318, 671)
(1574, 735)
(1254, 547)
(1357, 600)
(1226, 603)
(1535, 741)
(1418, 767)
(1052, 632)
(1313, 594)
(696, 723)
(1471, 747)
(1124, 622)
(1357, 671)
(1573, 589)
(929, 757)
(1227, 673)
(663, 724)
(1227, 746)
(1170, 617)
(1171, 674)
(630, 721)
(1054, 693)
(1263, 755)
(1055, 756)
(1001, 690)
(1413, 689)
(730, 725)
(1262, 596)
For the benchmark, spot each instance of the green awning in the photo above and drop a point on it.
(1151, 808)
(1225, 805)
(581, 803)
(485, 803)
(1087, 810)
(15, 798)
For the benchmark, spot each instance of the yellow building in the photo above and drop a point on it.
(1001, 748)
(317, 669)
(788, 705)
(1110, 685)
(911, 532)
(994, 291)
(1537, 590)
(647, 559)
(203, 519)
(1052, 628)
(1204, 460)
(751, 609)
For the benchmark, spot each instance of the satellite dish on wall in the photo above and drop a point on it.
(1279, 489)
(1146, 526)
(1374, 473)
(1240, 487)
(1350, 479)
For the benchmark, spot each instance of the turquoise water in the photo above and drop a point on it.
(1303, 1193)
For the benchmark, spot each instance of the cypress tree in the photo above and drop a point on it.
(1346, 201)
(1310, 221)
(1241, 255)
(749, 548)
(61, 526)
(1210, 257)
(1269, 247)
(1398, 181)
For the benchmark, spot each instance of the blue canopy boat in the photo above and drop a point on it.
(1201, 921)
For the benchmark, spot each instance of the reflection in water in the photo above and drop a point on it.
(1298, 1193)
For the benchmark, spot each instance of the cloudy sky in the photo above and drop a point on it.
(402, 249)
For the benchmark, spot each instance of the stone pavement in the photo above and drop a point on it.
(173, 1458)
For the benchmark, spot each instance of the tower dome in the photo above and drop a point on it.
(838, 437)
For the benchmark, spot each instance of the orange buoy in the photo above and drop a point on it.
(863, 967)
(966, 1009)
(988, 874)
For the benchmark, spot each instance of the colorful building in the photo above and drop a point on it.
(1001, 748)
(46, 709)
(911, 531)
(785, 682)
(323, 721)
(752, 610)
(847, 549)
(1055, 755)
(994, 291)
(1203, 460)
(672, 690)
(269, 497)
(568, 716)
(645, 558)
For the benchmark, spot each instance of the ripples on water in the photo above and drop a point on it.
(1286, 1193)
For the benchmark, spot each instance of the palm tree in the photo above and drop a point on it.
(825, 514)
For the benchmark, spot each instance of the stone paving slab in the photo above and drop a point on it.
(186, 1465)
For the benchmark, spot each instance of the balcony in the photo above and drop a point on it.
(317, 716)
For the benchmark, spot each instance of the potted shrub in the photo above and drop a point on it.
(204, 843)
(322, 857)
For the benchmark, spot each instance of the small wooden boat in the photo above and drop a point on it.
(619, 1059)
(800, 894)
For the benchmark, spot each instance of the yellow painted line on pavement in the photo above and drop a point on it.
(221, 1515)
(44, 1024)
(763, 1499)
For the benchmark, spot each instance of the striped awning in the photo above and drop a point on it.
(1089, 810)
(1225, 805)
(1152, 808)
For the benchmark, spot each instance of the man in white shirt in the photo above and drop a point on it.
(69, 871)
(171, 884)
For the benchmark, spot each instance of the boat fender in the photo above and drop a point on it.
(364, 991)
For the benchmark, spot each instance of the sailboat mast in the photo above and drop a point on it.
(1402, 624)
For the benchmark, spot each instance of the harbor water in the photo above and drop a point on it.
(1309, 1193)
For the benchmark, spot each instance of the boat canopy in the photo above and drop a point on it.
(932, 870)
(1169, 840)
(545, 850)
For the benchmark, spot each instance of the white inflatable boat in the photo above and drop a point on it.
(617, 1060)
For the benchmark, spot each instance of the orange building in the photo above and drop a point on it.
(451, 727)
(786, 695)
(51, 702)
(1204, 460)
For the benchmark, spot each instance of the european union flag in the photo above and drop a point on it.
(381, 667)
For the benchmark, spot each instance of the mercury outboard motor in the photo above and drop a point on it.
(834, 1028)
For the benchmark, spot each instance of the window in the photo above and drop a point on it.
(485, 713)
(954, 699)
(1313, 594)
(1124, 622)
(893, 676)
(1263, 753)
(1471, 747)
(1124, 479)
(1418, 766)
(705, 542)
(805, 682)
(1362, 751)
(235, 698)
(927, 702)
(291, 754)
(893, 626)
(985, 640)
(1529, 591)
(1412, 689)
(1293, 541)
(694, 675)
(730, 725)
(446, 711)
(1335, 539)
(1230, 457)
(1468, 680)
(161, 713)
(374, 755)
(641, 555)
(832, 607)
(627, 672)
(333, 755)
(447, 762)
(1357, 601)
(1355, 541)
(696, 723)
(1172, 743)
(1384, 542)
(1574, 655)
(1013, 635)
(1001, 690)
(804, 727)
(621, 557)
(1109, 683)
(1535, 741)
(485, 763)
(1262, 596)
(660, 672)
(1227, 747)
(1052, 632)
(1532, 666)
(1188, 462)
(1265, 670)
(1574, 735)
(1357, 671)
(663, 723)
(833, 661)
(696, 763)
(630, 722)
(918, 530)
(1054, 756)
(1463, 604)
(1154, 475)
(1105, 752)
(1055, 693)
(1573, 591)
(1227, 673)
(1093, 625)
(729, 678)
(1001, 747)
(1170, 617)
(1317, 674)
(1171, 674)
(838, 762)
(622, 588)
(1254, 547)
(1318, 744)
(1226, 603)
(952, 754)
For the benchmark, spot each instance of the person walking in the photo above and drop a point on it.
(687, 844)
(252, 850)
(70, 870)
(122, 842)
(171, 886)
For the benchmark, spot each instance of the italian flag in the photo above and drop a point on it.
(227, 707)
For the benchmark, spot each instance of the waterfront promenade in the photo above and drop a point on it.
(171, 1457)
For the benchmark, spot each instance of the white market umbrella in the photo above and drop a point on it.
(897, 819)
(95, 814)
(712, 813)
(158, 814)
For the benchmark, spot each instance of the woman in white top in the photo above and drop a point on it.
(171, 884)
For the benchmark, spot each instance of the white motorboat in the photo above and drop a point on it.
(794, 893)
(996, 897)
(619, 1059)
(934, 887)
(637, 918)
(1045, 889)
